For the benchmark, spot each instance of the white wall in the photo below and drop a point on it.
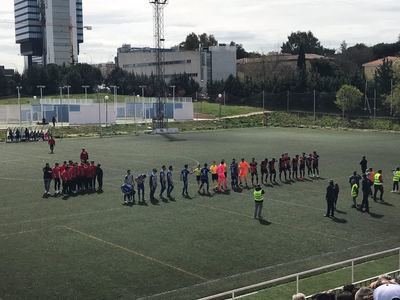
(89, 114)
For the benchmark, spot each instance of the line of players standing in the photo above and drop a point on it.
(73, 177)
(294, 168)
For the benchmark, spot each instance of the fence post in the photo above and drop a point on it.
(315, 118)
(352, 271)
(233, 294)
(297, 283)
(399, 259)
(287, 101)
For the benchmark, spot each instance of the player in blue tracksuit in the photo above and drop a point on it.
(163, 181)
(204, 179)
(170, 181)
(234, 168)
(153, 184)
(185, 179)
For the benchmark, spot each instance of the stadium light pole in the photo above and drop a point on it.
(19, 103)
(106, 102)
(61, 106)
(41, 87)
(67, 87)
(143, 89)
(85, 87)
(115, 88)
(220, 100)
(173, 101)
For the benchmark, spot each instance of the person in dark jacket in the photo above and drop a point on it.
(47, 176)
(99, 176)
(364, 165)
(330, 199)
(366, 190)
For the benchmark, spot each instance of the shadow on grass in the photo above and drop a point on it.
(339, 220)
(385, 203)
(340, 212)
(264, 222)
(172, 138)
(375, 215)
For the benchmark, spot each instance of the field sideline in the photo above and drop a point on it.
(92, 247)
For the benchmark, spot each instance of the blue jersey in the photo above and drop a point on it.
(185, 174)
(234, 169)
(169, 177)
(162, 177)
(204, 173)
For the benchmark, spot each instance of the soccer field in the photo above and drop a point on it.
(93, 247)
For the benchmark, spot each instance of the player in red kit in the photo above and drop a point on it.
(51, 143)
(92, 169)
(253, 171)
(295, 167)
(57, 179)
(84, 156)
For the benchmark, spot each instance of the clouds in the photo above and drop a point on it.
(260, 25)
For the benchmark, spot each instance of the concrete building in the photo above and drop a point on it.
(371, 67)
(49, 32)
(6, 72)
(203, 65)
(105, 68)
(268, 66)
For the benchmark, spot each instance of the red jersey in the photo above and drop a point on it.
(73, 172)
(52, 142)
(295, 163)
(271, 165)
(92, 170)
(65, 176)
(253, 167)
(84, 156)
(56, 173)
(62, 168)
(86, 171)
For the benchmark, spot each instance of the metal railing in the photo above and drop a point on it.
(233, 294)
(364, 282)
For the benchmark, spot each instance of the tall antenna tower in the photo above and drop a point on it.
(159, 40)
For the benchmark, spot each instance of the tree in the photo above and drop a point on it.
(191, 42)
(394, 101)
(343, 47)
(301, 71)
(348, 98)
(207, 40)
(309, 42)
(384, 76)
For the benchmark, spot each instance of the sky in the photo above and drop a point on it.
(260, 25)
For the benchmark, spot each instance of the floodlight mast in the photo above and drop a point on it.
(159, 40)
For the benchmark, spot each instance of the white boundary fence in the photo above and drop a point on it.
(96, 111)
(240, 292)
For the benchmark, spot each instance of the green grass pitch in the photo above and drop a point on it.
(92, 247)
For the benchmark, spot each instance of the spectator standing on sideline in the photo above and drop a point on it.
(355, 178)
(51, 143)
(364, 165)
(53, 120)
(330, 199)
(337, 191)
(299, 296)
(258, 195)
(99, 176)
(396, 179)
(366, 190)
(84, 156)
(378, 185)
(354, 194)
(47, 176)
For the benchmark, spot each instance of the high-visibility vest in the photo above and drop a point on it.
(354, 190)
(396, 176)
(258, 195)
(377, 179)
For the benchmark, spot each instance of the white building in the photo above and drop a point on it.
(203, 65)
